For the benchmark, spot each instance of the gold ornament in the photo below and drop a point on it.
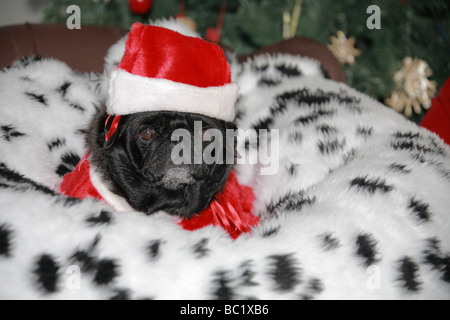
(343, 48)
(413, 89)
(290, 22)
(189, 22)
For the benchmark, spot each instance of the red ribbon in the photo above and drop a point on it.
(231, 210)
(113, 128)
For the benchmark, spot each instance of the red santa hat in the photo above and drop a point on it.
(163, 70)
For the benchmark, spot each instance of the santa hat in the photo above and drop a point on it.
(163, 70)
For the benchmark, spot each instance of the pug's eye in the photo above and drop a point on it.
(147, 134)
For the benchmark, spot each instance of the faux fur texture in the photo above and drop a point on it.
(358, 208)
(130, 93)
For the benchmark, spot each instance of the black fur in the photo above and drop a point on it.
(137, 169)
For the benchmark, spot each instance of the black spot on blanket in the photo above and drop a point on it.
(247, 275)
(292, 169)
(104, 271)
(222, 286)
(37, 97)
(330, 146)
(84, 260)
(47, 272)
(104, 217)
(63, 89)
(439, 261)
(268, 82)
(420, 210)
(326, 129)
(69, 162)
(57, 143)
(400, 168)
(5, 240)
(271, 232)
(25, 61)
(364, 131)
(292, 201)
(306, 97)
(416, 147)
(288, 71)
(82, 131)
(12, 179)
(261, 128)
(371, 185)
(285, 272)
(68, 202)
(314, 116)
(300, 97)
(366, 248)
(295, 137)
(329, 241)
(77, 107)
(259, 68)
(200, 248)
(154, 249)
(416, 144)
(433, 253)
(9, 132)
(325, 73)
(407, 135)
(107, 271)
(121, 294)
(263, 124)
(349, 156)
(313, 287)
(409, 274)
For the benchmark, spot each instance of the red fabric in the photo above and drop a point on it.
(157, 52)
(437, 119)
(113, 127)
(230, 210)
(78, 183)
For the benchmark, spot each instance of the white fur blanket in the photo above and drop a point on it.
(359, 207)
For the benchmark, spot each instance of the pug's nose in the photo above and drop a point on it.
(175, 178)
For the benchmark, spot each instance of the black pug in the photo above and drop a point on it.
(136, 161)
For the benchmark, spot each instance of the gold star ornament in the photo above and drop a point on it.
(343, 48)
(413, 88)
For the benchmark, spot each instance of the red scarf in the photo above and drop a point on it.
(231, 209)
(78, 183)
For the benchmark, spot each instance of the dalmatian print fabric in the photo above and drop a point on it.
(358, 207)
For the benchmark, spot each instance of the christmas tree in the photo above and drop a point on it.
(407, 28)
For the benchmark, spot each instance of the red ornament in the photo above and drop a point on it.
(212, 35)
(140, 6)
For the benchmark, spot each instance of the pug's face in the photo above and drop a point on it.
(147, 161)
